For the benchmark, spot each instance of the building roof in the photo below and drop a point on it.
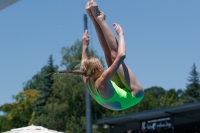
(182, 113)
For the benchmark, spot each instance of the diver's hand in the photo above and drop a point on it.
(85, 38)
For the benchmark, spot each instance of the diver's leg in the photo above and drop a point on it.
(100, 35)
(103, 43)
(109, 36)
(130, 80)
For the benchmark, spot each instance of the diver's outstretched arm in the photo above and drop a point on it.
(85, 42)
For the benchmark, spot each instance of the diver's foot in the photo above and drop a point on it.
(88, 10)
(118, 29)
(99, 15)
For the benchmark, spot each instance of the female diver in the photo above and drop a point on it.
(115, 88)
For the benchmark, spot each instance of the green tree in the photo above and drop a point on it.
(171, 97)
(193, 78)
(45, 82)
(156, 91)
(33, 83)
(192, 92)
(18, 114)
(4, 126)
(65, 109)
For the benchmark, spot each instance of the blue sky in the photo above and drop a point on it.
(162, 38)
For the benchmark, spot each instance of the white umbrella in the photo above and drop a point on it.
(32, 129)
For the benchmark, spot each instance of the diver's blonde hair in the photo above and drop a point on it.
(87, 67)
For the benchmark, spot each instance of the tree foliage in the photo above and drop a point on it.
(172, 97)
(18, 114)
(45, 86)
(193, 78)
(192, 92)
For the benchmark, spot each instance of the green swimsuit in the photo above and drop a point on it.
(122, 98)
